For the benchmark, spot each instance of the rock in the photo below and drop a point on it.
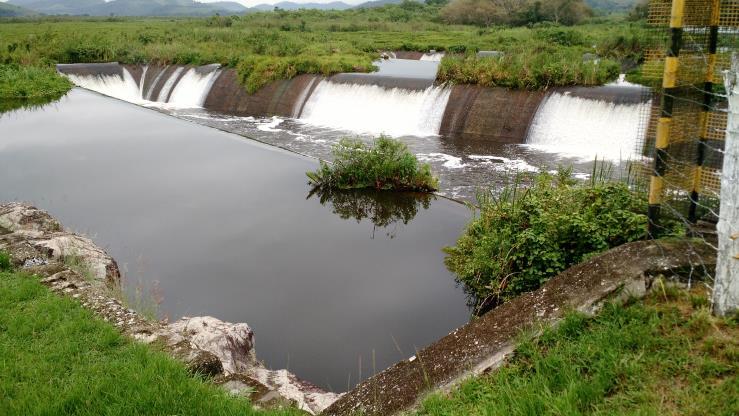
(233, 344)
(221, 350)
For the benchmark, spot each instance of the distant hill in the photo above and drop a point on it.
(288, 5)
(612, 5)
(10, 10)
(131, 7)
(376, 3)
(57, 6)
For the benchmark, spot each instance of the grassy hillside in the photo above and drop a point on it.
(665, 355)
(57, 358)
(10, 10)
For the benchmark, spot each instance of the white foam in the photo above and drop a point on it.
(449, 161)
(167, 88)
(121, 87)
(504, 164)
(270, 125)
(192, 89)
(434, 57)
(376, 110)
(585, 129)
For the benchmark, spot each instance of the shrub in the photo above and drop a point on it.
(386, 165)
(4, 261)
(525, 236)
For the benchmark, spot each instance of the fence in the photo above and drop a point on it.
(689, 46)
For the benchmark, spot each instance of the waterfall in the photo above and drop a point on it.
(192, 89)
(586, 129)
(154, 84)
(123, 88)
(167, 88)
(142, 81)
(435, 57)
(373, 109)
(188, 90)
(300, 102)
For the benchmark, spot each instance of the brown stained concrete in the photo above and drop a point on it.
(484, 343)
(497, 115)
(277, 98)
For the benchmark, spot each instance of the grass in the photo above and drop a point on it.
(531, 232)
(26, 86)
(57, 358)
(279, 45)
(385, 165)
(665, 355)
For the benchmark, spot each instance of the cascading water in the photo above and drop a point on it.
(376, 110)
(123, 88)
(435, 57)
(192, 89)
(167, 88)
(585, 129)
(179, 91)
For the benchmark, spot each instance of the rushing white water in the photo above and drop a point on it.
(298, 106)
(123, 88)
(192, 89)
(153, 84)
(179, 91)
(167, 88)
(586, 129)
(376, 110)
(435, 57)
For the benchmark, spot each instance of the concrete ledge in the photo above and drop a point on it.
(484, 343)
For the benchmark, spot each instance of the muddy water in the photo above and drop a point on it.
(215, 224)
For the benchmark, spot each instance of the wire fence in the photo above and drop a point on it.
(689, 45)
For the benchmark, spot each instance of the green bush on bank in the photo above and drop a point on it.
(385, 165)
(540, 68)
(527, 235)
(30, 83)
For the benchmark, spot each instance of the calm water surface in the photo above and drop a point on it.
(221, 225)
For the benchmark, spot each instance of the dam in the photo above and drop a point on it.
(473, 136)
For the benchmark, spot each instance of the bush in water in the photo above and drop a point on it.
(527, 235)
(386, 165)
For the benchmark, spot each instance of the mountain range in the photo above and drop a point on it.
(194, 8)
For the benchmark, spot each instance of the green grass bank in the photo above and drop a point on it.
(664, 355)
(56, 358)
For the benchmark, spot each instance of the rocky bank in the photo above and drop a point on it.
(72, 265)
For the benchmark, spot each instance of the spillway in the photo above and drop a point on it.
(373, 109)
(585, 129)
(178, 87)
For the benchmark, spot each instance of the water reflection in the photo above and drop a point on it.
(386, 210)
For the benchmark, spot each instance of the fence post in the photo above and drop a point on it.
(726, 286)
(706, 111)
(669, 84)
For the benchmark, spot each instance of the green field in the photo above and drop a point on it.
(279, 45)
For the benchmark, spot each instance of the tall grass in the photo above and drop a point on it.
(663, 356)
(387, 164)
(56, 358)
(278, 45)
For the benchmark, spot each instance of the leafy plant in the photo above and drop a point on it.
(4, 261)
(526, 235)
(385, 165)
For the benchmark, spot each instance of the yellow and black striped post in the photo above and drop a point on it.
(705, 111)
(669, 84)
